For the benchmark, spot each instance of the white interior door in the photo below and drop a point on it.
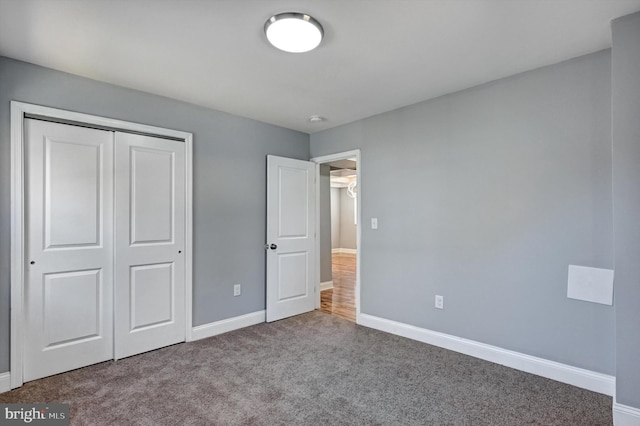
(69, 284)
(290, 245)
(150, 237)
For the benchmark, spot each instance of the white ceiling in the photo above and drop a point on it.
(377, 55)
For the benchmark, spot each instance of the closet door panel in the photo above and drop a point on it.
(151, 187)
(150, 233)
(69, 282)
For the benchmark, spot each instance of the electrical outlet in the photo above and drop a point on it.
(439, 302)
(237, 290)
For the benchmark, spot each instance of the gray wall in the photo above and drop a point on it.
(347, 226)
(343, 228)
(229, 182)
(503, 186)
(325, 223)
(626, 203)
(335, 218)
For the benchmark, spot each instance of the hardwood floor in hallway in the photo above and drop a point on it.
(341, 299)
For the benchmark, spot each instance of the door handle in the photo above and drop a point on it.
(270, 246)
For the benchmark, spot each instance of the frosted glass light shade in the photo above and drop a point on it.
(293, 32)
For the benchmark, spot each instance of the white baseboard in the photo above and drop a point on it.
(579, 377)
(226, 325)
(344, 251)
(623, 415)
(5, 382)
(327, 285)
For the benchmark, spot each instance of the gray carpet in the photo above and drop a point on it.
(313, 369)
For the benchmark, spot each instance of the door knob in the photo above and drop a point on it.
(270, 246)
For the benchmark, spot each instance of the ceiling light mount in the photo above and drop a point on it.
(317, 119)
(293, 32)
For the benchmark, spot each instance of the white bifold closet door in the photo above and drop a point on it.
(105, 214)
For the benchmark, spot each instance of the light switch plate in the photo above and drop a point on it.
(374, 223)
(590, 284)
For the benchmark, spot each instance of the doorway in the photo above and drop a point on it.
(339, 234)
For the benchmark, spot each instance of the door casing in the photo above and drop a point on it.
(18, 260)
(327, 159)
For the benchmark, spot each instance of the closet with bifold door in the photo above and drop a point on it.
(105, 224)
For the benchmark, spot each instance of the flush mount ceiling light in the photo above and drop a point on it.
(293, 32)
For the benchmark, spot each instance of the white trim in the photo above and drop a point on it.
(188, 240)
(327, 159)
(344, 251)
(94, 120)
(623, 415)
(327, 285)
(317, 288)
(17, 239)
(579, 377)
(5, 382)
(229, 324)
(18, 111)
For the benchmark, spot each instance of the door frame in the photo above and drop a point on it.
(22, 110)
(327, 159)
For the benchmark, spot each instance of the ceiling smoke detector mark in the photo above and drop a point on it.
(317, 119)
